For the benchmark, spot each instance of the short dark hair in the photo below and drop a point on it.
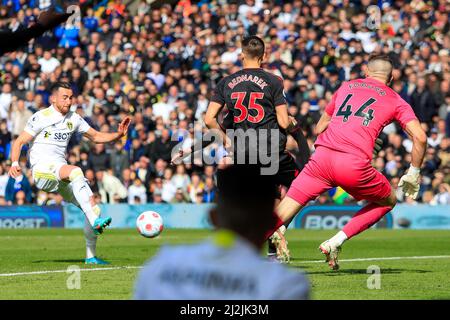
(384, 58)
(380, 56)
(253, 47)
(61, 84)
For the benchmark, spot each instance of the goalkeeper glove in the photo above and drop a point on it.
(410, 182)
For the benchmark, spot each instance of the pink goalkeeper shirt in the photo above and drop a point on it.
(359, 110)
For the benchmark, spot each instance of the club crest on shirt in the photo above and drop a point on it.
(70, 125)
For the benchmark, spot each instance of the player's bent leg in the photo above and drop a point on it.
(307, 185)
(45, 176)
(369, 215)
(361, 221)
(279, 242)
(84, 196)
(390, 201)
(331, 251)
(65, 190)
(91, 240)
(376, 189)
(91, 246)
(281, 246)
(273, 253)
(286, 210)
(271, 248)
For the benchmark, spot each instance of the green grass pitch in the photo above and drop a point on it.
(27, 251)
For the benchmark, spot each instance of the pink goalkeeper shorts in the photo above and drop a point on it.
(328, 168)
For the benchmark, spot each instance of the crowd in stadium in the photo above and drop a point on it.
(161, 64)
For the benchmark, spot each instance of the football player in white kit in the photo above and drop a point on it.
(48, 132)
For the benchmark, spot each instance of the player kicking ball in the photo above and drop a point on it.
(347, 130)
(48, 132)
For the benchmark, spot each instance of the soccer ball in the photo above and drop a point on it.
(149, 224)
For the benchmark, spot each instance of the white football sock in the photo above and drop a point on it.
(82, 192)
(339, 238)
(91, 240)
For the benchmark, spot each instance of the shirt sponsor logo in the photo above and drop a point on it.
(62, 136)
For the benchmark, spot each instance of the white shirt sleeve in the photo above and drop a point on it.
(140, 287)
(83, 126)
(34, 125)
(148, 285)
(295, 286)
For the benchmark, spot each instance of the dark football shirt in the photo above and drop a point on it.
(251, 95)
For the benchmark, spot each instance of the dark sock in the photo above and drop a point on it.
(271, 249)
(287, 223)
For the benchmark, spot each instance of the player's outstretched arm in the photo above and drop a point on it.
(211, 115)
(410, 181)
(178, 157)
(419, 139)
(211, 119)
(323, 123)
(211, 122)
(106, 137)
(22, 139)
(284, 120)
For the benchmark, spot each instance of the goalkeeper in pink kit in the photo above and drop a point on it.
(356, 114)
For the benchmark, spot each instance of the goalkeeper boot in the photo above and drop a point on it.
(280, 242)
(100, 224)
(95, 260)
(331, 252)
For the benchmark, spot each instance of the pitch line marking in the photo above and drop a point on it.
(379, 259)
(64, 271)
(296, 262)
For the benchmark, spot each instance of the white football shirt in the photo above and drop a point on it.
(52, 131)
(223, 268)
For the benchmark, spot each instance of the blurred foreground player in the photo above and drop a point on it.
(356, 114)
(48, 132)
(228, 265)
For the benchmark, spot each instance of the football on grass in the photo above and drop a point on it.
(149, 224)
